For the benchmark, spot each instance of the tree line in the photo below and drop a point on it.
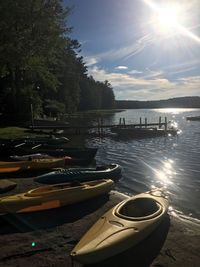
(178, 102)
(40, 64)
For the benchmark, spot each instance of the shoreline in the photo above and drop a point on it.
(46, 238)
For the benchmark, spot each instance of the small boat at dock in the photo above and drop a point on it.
(193, 118)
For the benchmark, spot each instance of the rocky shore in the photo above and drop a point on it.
(46, 238)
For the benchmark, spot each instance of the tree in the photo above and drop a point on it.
(39, 62)
(32, 39)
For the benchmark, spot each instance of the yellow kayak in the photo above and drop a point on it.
(122, 227)
(54, 196)
(33, 164)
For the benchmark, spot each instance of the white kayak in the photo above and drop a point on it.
(122, 227)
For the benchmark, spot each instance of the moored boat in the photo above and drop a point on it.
(54, 196)
(193, 118)
(111, 171)
(122, 227)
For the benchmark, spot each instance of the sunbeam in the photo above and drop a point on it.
(169, 18)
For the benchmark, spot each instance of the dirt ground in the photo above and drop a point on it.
(46, 238)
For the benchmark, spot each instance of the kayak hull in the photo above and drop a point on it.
(34, 164)
(54, 196)
(112, 171)
(122, 227)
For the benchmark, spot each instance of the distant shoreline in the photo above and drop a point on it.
(179, 102)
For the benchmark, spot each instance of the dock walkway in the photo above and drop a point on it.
(98, 127)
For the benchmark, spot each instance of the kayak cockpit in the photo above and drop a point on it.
(139, 209)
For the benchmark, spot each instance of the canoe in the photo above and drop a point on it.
(54, 196)
(122, 227)
(34, 164)
(112, 171)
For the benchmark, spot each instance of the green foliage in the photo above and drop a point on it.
(38, 61)
(53, 107)
(96, 95)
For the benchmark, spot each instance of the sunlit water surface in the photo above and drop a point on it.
(170, 162)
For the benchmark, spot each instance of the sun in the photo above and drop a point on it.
(167, 19)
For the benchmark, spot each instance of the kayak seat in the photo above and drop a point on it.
(139, 209)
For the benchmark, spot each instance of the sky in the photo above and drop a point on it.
(146, 49)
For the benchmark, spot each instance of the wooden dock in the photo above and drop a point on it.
(99, 127)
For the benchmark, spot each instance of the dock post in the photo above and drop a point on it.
(101, 126)
(98, 123)
(32, 117)
(165, 123)
(145, 122)
(159, 123)
(124, 122)
(120, 121)
(140, 122)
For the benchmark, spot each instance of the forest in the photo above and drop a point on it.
(40, 65)
(177, 102)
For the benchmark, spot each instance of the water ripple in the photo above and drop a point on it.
(172, 162)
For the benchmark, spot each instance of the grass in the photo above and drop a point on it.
(102, 111)
(14, 132)
(94, 113)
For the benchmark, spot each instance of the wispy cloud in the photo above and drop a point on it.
(182, 67)
(121, 53)
(140, 88)
(135, 72)
(121, 68)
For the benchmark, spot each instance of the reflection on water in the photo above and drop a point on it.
(171, 162)
(164, 175)
(174, 110)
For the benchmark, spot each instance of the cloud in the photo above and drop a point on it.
(135, 72)
(126, 86)
(121, 53)
(121, 68)
(182, 67)
(90, 61)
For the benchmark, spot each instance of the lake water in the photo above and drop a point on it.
(172, 162)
